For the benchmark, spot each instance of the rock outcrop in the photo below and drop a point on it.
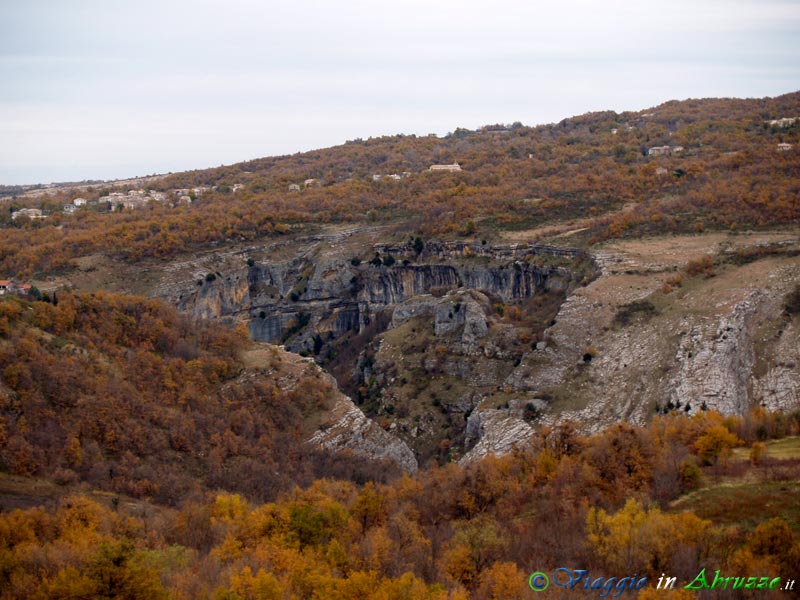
(495, 432)
(715, 360)
(722, 344)
(349, 428)
(454, 370)
(342, 426)
(304, 297)
(463, 310)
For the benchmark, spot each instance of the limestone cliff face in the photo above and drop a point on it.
(779, 385)
(722, 344)
(293, 300)
(393, 285)
(224, 296)
(495, 432)
(331, 297)
(343, 425)
(715, 360)
(348, 428)
(462, 310)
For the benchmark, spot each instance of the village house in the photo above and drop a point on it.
(70, 208)
(79, 202)
(453, 167)
(393, 176)
(7, 286)
(312, 182)
(293, 187)
(659, 151)
(134, 198)
(784, 122)
(31, 213)
(784, 147)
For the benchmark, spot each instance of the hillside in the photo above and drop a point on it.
(633, 502)
(679, 167)
(340, 374)
(550, 277)
(125, 395)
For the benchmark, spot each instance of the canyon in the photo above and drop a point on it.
(453, 350)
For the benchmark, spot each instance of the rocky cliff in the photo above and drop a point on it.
(464, 348)
(348, 428)
(336, 306)
(296, 299)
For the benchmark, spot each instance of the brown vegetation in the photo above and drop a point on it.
(448, 532)
(728, 176)
(127, 395)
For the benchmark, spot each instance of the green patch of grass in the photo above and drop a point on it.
(745, 504)
(780, 449)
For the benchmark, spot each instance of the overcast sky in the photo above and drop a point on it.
(103, 89)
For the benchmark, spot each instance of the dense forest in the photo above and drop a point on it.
(598, 503)
(726, 172)
(129, 396)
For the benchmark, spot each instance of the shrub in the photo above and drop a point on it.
(792, 301)
(700, 266)
(627, 312)
(757, 452)
(689, 475)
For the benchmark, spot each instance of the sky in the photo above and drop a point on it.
(107, 89)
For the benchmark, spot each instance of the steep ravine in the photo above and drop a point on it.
(336, 309)
(431, 349)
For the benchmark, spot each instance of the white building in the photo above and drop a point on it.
(659, 151)
(31, 213)
(785, 122)
(453, 167)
